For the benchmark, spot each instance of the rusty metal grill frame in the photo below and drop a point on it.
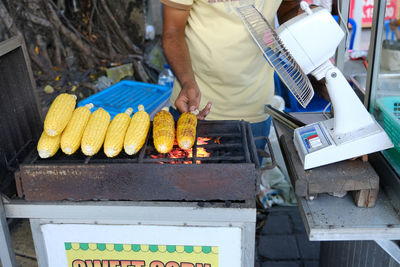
(142, 178)
(20, 119)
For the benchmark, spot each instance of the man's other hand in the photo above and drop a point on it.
(189, 100)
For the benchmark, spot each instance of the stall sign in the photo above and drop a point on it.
(136, 255)
(84, 245)
(368, 10)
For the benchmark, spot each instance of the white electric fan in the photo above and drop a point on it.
(304, 45)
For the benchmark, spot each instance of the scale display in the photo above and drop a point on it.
(313, 138)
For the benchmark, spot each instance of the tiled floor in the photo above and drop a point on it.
(281, 240)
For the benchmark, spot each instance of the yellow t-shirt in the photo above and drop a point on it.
(229, 68)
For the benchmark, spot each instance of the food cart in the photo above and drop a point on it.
(90, 211)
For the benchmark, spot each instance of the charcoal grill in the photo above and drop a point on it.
(179, 190)
(229, 172)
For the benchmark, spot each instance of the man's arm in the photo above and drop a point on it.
(288, 9)
(177, 53)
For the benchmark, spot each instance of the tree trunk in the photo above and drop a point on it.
(88, 35)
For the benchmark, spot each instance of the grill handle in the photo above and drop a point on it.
(264, 154)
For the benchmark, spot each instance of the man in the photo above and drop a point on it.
(394, 26)
(215, 60)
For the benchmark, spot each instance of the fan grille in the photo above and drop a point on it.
(277, 55)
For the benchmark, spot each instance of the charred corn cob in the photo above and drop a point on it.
(95, 132)
(59, 114)
(186, 129)
(137, 131)
(163, 131)
(116, 133)
(72, 135)
(48, 145)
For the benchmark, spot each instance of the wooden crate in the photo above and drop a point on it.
(356, 176)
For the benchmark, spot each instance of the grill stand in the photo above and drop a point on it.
(121, 213)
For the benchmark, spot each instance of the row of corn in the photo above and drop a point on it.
(70, 128)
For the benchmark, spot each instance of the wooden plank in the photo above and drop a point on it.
(365, 198)
(348, 175)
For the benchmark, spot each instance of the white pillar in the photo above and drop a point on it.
(357, 16)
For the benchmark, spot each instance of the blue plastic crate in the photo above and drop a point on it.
(125, 94)
(317, 103)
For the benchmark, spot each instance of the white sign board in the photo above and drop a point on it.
(84, 245)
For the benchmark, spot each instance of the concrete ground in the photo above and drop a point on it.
(23, 244)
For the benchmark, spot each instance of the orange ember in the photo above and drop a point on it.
(178, 153)
(203, 140)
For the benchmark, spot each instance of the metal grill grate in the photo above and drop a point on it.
(227, 142)
(277, 55)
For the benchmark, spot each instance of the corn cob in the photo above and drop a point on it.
(59, 114)
(163, 131)
(186, 129)
(95, 132)
(72, 135)
(48, 145)
(137, 131)
(116, 133)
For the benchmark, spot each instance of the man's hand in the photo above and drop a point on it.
(189, 100)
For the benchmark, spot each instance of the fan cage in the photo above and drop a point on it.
(277, 55)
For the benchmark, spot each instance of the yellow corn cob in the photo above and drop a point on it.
(116, 133)
(163, 131)
(59, 114)
(186, 130)
(137, 131)
(95, 132)
(72, 135)
(48, 145)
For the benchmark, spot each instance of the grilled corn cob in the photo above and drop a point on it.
(137, 131)
(48, 145)
(59, 114)
(95, 132)
(186, 129)
(116, 133)
(163, 131)
(72, 135)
